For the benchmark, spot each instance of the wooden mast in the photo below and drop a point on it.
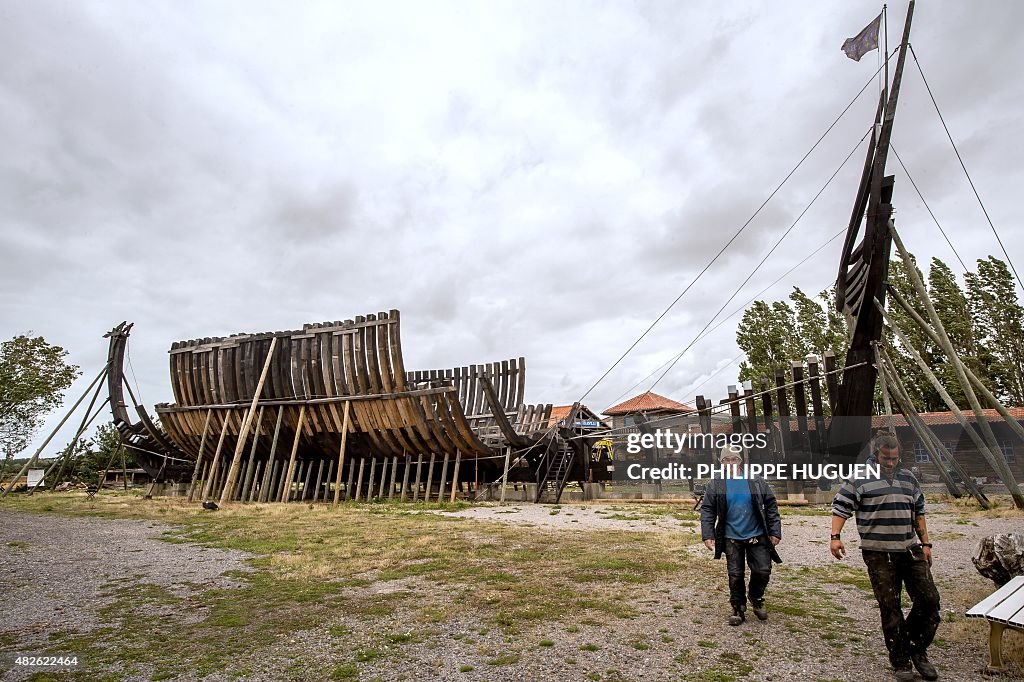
(863, 271)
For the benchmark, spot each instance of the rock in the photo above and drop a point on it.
(1000, 557)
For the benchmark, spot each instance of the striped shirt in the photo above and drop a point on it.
(885, 510)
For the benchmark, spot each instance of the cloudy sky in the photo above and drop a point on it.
(518, 178)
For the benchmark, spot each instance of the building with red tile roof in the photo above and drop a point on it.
(649, 402)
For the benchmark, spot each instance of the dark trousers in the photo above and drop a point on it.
(889, 572)
(738, 554)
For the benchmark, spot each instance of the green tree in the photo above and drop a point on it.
(773, 335)
(767, 334)
(999, 323)
(33, 377)
(104, 449)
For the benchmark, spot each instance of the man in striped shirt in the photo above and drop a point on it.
(894, 543)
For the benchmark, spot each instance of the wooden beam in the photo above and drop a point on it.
(236, 460)
(208, 483)
(295, 449)
(341, 454)
(199, 457)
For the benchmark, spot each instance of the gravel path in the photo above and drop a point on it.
(55, 571)
(678, 632)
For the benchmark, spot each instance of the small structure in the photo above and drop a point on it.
(655, 407)
(956, 440)
(587, 421)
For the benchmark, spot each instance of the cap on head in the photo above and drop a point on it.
(731, 450)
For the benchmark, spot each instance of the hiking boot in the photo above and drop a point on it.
(737, 617)
(924, 666)
(760, 611)
(904, 673)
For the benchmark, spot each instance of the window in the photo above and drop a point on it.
(1007, 448)
(628, 420)
(921, 455)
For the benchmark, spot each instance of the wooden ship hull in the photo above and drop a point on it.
(333, 395)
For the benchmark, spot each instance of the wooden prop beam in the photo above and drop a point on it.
(236, 461)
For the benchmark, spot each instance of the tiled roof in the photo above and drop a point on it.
(648, 402)
(944, 418)
(898, 420)
(560, 412)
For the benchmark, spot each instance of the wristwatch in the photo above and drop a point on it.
(835, 536)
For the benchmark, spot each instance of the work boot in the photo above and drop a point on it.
(737, 616)
(924, 666)
(904, 673)
(760, 611)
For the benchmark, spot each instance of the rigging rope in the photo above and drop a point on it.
(763, 259)
(925, 202)
(731, 239)
(962, 165)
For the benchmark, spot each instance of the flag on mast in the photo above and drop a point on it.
(863, 42)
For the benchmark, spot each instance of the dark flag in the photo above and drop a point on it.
(863, 42)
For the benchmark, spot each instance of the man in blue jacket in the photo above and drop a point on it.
(739, 517)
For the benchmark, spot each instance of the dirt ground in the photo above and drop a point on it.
(61, 574)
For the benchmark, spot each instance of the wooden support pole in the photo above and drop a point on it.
(68, 452)
(199, 457)
(341, 455)
(243, 433)
(247, 479)
(797, 369)
(328, 478)
(504, 476)
(255, 482)
(444, 479)
(416, 485)
(319, 479)
(295, 449)
(997, 461)
(373, 480)
(35, 457)
(359, 482)
(268, 476)
(978, 383)
(383, 478)
(204, 477)
(405, 477)
(273, 489)
(430, 479)
(348, 484)
(929, 441)
(394, 471)
(212, 472)
(782, 400)
(305, 480)
(455, 474)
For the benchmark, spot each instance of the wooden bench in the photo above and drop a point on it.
(1003, 609)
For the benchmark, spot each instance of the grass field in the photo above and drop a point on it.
(372, 591)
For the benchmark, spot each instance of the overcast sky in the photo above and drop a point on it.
(518, 178)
